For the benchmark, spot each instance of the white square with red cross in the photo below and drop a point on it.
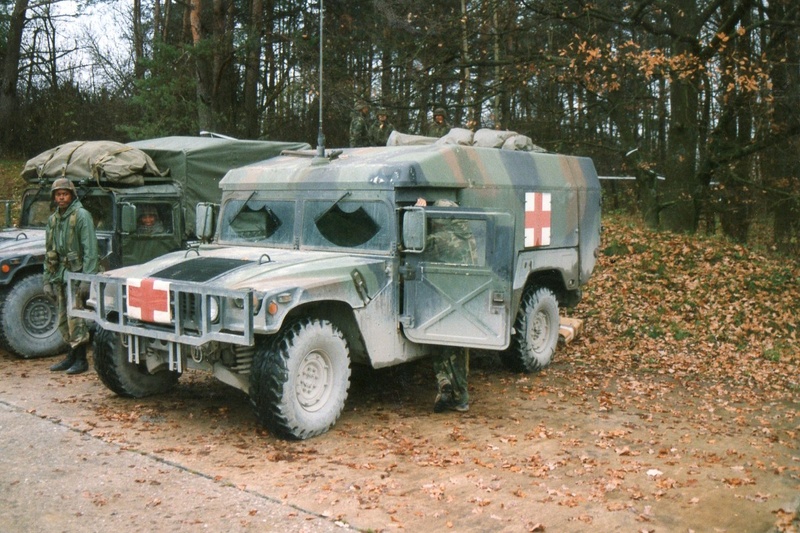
(148, 300)
(537, 219)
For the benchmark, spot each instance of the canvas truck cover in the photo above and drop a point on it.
(198, 163)
(101, 161)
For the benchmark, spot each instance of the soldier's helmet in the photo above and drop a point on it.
(63, 184)
(440, 111)
(360, 105)
(148, 210)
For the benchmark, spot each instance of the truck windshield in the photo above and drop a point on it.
(37, 208)
(258, 221)
(35, 211)
(102, 211)
(348, 223)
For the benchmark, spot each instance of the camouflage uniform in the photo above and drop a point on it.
(381, 129)
(437, 129)
(360, 127)
(71, 247)
(451, 241)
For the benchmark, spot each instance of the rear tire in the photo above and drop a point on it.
(536, 332)
(29, 320)
(127, 379)
(300, 379)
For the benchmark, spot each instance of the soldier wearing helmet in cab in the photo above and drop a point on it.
(71, 247)
(149, 221)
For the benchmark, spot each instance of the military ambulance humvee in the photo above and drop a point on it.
(320, 262)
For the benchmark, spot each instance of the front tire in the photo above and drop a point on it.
(300, 379)
(29, 320)
(127, 379)
(536, 332)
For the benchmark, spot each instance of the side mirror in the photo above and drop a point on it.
(128, 222)
(414, 230)
(205, 216)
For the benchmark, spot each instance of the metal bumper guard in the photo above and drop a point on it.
(175, 333)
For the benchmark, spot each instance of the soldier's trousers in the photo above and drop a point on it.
(74, 331)
(451, 365)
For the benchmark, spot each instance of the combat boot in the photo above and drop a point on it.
(66, 363)
(80, 365)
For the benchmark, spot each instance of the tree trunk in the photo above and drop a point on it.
(138, 39)
(8, 89)
(782, 166)
(252, 70)
(677, 205)
(224, 80)
(202, 68)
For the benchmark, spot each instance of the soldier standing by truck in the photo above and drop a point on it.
(71, 247)
(451, 241)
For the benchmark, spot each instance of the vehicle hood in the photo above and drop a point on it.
(22, 241)
(260, 269)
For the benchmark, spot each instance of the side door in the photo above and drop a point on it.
(458, 293)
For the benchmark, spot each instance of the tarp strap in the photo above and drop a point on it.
(69, 158)
(96, 167)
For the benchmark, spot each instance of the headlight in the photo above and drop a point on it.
(213, 308)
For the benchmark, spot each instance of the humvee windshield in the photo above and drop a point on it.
(258, 221)
(347, 223)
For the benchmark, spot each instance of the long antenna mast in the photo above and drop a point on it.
(320, 134)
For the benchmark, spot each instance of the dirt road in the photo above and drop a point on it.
(572, 449)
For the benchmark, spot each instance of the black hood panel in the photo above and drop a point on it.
(200, 269)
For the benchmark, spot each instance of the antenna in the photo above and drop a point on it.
(320, 134)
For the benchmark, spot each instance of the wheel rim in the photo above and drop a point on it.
(314, 380)
(539, 332)
(39, 317)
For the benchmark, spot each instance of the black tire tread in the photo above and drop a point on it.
(13, 334)
(270, 373)
(514, 357)
(122, 377)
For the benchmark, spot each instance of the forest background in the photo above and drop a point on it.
(698, 100)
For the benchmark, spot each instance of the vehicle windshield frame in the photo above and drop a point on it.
(308, 210)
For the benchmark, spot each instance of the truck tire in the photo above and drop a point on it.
(29, 320)
(300, 379)
(535, 334)
(126, 379)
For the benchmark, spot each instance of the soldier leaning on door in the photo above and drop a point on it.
(71, 247)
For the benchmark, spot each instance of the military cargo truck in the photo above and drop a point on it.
(320, 262)
(170, 175)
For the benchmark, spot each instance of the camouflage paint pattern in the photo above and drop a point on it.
(361, 289)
